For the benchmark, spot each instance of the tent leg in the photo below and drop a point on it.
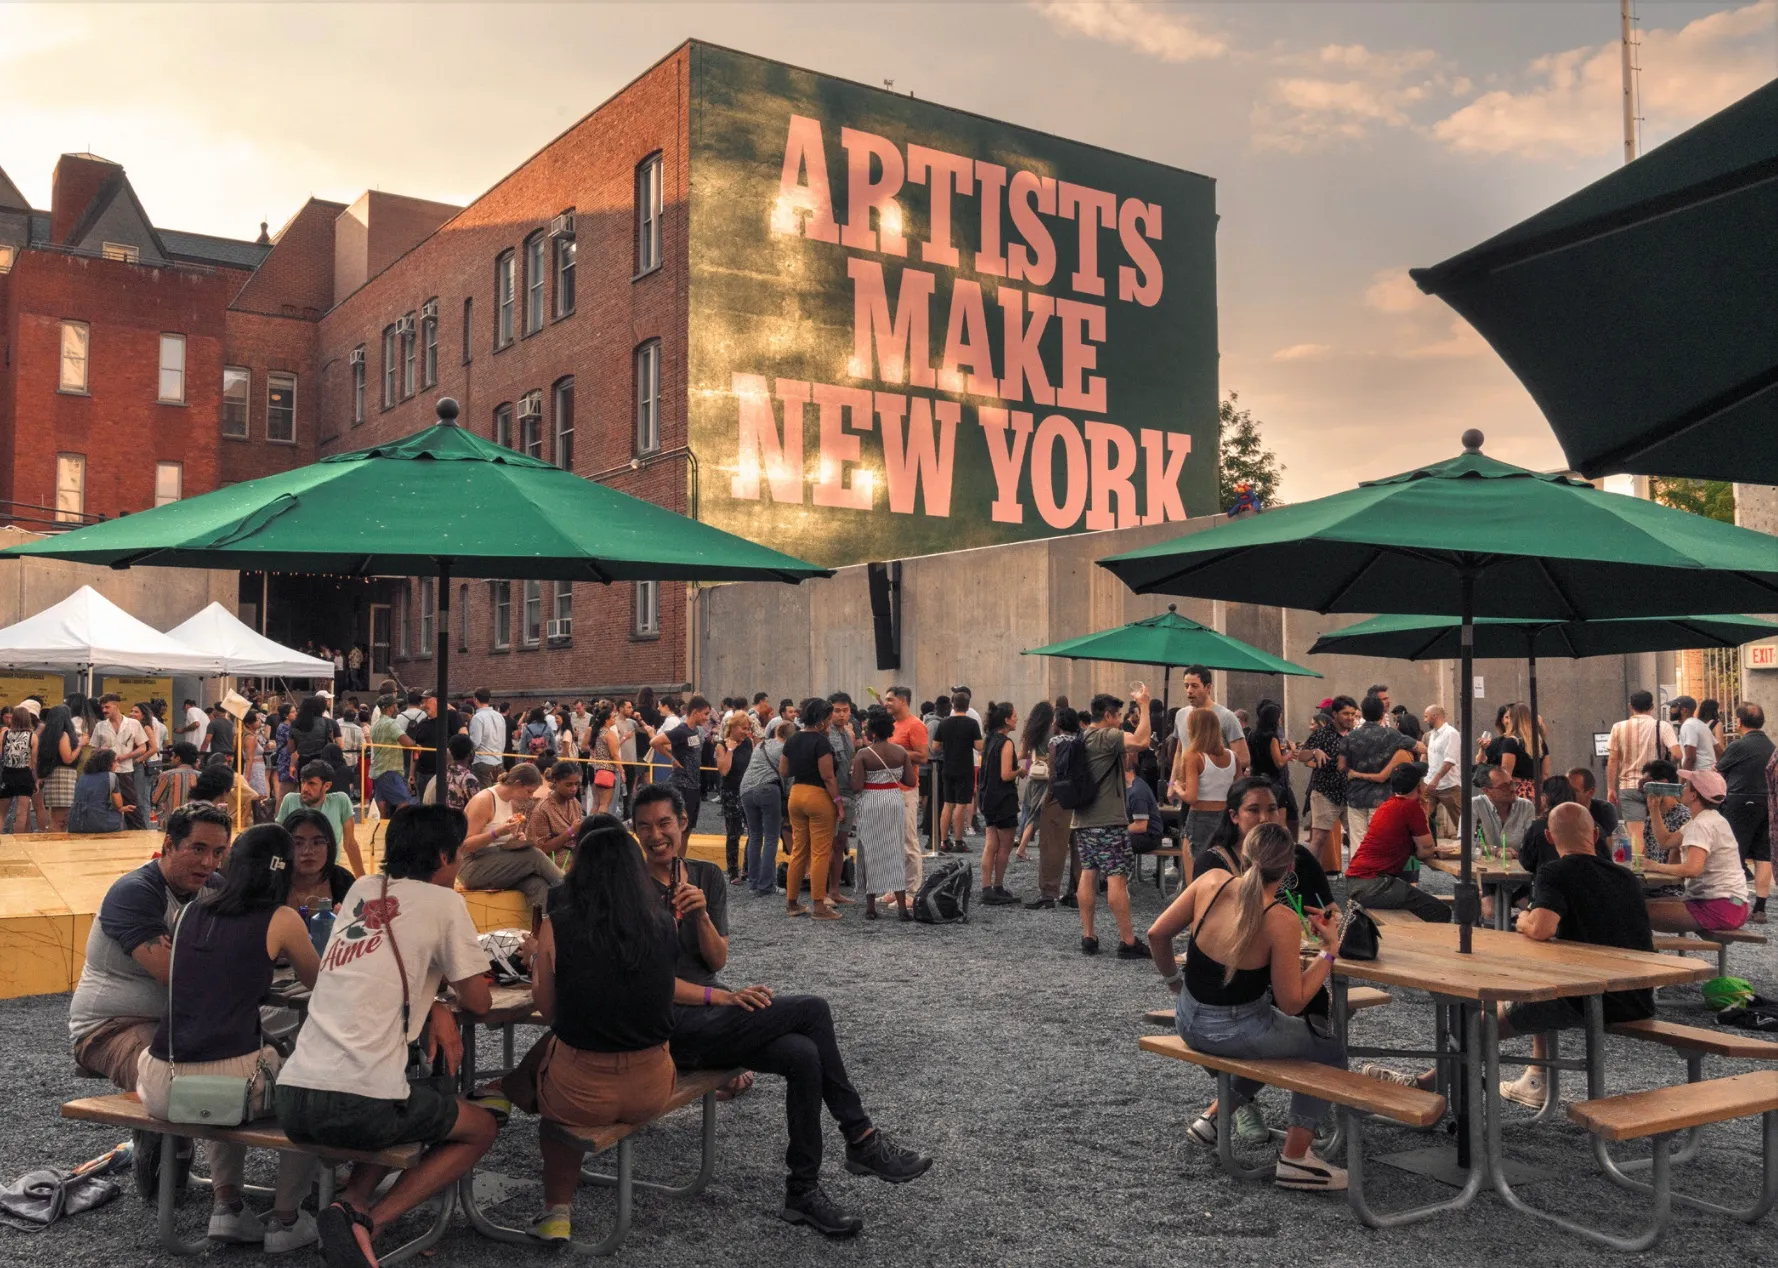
(443, 635)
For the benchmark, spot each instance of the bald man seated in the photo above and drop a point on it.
(1578, 897)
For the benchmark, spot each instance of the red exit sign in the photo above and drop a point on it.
(1762, 656)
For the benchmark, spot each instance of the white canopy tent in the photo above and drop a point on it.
(88, 633)
(244, 651)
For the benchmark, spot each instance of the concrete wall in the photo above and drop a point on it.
(967, 616)
(161, 597)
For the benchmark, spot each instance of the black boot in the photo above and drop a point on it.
(814, 1208)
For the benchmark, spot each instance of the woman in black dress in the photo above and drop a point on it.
(999, 803)
(1269, 751)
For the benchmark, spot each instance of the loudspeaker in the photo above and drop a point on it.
(885, 611)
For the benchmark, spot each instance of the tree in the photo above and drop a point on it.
(1713, 499)
(1244, 458)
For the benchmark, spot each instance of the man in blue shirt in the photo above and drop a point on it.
(1146, 829)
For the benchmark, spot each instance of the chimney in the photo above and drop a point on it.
(264, 239)
(78, 180)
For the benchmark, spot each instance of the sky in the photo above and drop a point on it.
(1349, 142)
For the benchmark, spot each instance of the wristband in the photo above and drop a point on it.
(1174, 978)
(1328, 956)
(706, 997)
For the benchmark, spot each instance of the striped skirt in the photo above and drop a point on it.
(882, 829)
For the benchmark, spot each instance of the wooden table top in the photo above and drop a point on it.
(1510, 967)
(1488, 870)
(510, 1004)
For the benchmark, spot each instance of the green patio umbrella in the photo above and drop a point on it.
(1169, 641)
(1638, 312)
(1407, 637)
(1468, 537)
(438, 503)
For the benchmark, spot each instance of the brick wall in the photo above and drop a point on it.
(591, 170)
(118, 425)
(296, 279)
(264, 345)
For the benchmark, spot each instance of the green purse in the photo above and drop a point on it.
(206, 1100)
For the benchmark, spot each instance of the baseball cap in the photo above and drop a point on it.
(325, 694)
(1706, 783)
(29, 705)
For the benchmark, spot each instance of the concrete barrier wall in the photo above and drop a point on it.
(967, 616)
(161, 597)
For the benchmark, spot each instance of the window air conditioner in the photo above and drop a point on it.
(562, 628)
(405, 325)
(356, 357)
(430, 309)
(562, 226)
(530, 407)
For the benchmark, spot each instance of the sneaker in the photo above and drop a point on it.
(1202, 1132)
(1089, 946)
(494, 1102)
(1137, 950)
(1384, 1074)
(236, 1227)
(1250, 1125)
(1041, 904)
(817, 1210)
(877, 1155)
(1309, 1172)
(281, 1237)
(1529, 1090)
(556, 1224)
(1759, 916)
(1069, 900)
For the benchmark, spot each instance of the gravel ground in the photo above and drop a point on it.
(999, 1049)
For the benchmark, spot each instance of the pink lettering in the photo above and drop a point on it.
(1094, 209)
(761, 451)
(966, 344)
(1066, 513)
(865, 195)
(1112, 461)
(923, 461)
(952, 173)
(1008, 458)
(1024, 363)
(1082, 326)
(839, 448)
(1033, 260)
(804, 206)
(1164, 503)
(885, 340)
(989, 262)
(1137, 224)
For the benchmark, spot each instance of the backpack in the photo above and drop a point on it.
(943, 896)
(537, 743)
(1071, 773)
(16, 754)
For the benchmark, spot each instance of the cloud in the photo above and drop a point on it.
(1573, 105)
(1343, 92)
(1393, 291)
(1169, 36)
(1463, 341)
(1302, 352)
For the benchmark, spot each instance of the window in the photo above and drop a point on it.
(6, 253)
(563, 617)
(503, 425)
(647, 619)
(401, 603)
(172, 383)
(429, 343)
(531, 424)
(503, 294)
(388, 366)
(468, 330)
(564, 275)
(648, 214)
(169, 482)
(564, 411)
(358, 385)
(463, 618)
(426, 613)
(500, 609)
(70, 487)
(237, 389)
(535, 281)
(533, 612)
(280, 408)
(406, 327)
(648, 397)
(74, 355)
(121, 251)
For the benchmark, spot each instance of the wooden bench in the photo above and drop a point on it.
(1358, 998)
(1735, 1045)
(125, 1109)
(693, 1085)
(1173, 852)
(1660, 1114)
(1393, 916)
(1710, 940)
(1355, 1094)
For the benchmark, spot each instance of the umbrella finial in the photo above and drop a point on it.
(447, 409)
(1472, 441)
(1172, 607)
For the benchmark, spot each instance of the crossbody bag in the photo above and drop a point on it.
(208, 1100)
(419, 1069)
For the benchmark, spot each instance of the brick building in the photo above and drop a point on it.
(557, 308)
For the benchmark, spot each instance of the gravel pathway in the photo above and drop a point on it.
(1011, 1058)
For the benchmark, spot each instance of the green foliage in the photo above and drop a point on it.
(1713, 499)
(1244, 457)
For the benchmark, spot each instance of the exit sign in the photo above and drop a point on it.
(1762, 656)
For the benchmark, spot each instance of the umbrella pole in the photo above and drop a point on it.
(1468, 906)
(1166, 696)
(1536, 761)
(443, 634)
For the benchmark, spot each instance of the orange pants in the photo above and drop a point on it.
(812, 821)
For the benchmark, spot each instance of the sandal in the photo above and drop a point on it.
(740, 1085)
(842, 900)
(339, 1241)
(870, 913)
(824, 912)
(796, 909)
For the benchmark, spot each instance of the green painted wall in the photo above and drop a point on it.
(774, 315)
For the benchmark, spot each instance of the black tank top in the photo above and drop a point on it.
(220, 973)
(1259, 752)
(1203, 975)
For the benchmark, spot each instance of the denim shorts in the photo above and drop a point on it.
(344, 1120)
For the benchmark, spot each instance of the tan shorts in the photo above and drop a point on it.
(115, 1049)
(1323, 814)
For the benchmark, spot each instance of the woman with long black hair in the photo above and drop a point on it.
(224, 945)
(604, 977)
(1270, 750)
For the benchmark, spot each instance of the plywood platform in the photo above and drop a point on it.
(51, 885)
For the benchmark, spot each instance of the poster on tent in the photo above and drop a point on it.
(46, 687)
(135, 690)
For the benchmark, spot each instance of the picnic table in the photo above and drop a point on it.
(1503, 968)
(1503, 876)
